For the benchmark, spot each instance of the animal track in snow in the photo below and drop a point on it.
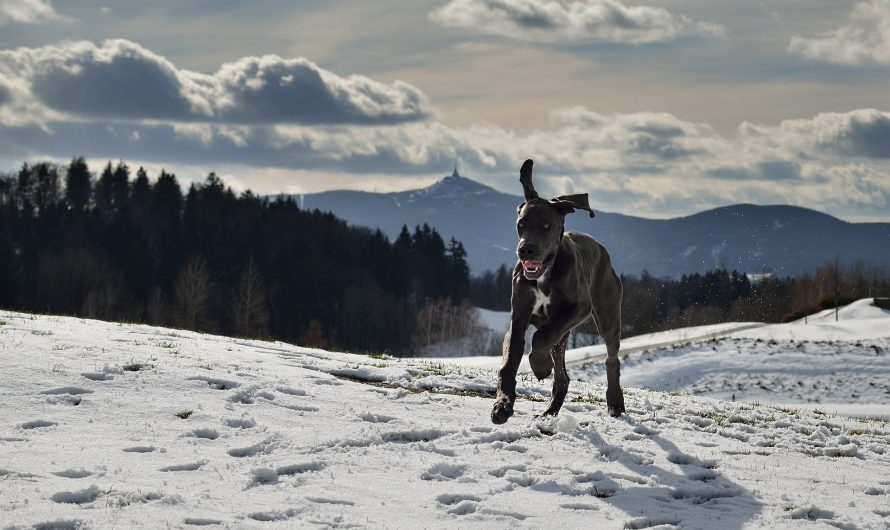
(205, 433)
(443, 471)
(578, 506)
(290, 391)
(450, 499)
(139, 449)
(273, 515)
(249, 394)
(37, 424)
(77, 497)
(200, 521)
(326, 500)
(193, 466)
(264, 447)
(501, 471)
(215, 383)
(263, 475)
(376, 418)
(811, 513)
(240, 423)
(70, 390)
(73, 473)
(97, 376)
(61, 524)
(296, 469)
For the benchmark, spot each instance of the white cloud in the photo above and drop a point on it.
(26, 12)
(865, 38)
(573, 21)
(647, 163)
(288, 117)
(120, 79)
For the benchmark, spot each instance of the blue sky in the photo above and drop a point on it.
(656, 109)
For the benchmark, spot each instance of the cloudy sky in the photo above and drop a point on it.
(656, 109)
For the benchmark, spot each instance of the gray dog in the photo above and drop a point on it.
(562, 279)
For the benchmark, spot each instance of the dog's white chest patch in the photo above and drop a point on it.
(541, 303)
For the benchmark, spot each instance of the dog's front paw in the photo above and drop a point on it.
(551, 412)
(615, 402)
(502, 410)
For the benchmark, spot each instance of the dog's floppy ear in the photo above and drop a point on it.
(569, 203)
(525, 178)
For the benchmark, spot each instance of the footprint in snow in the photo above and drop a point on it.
(200, 521)
(194, 466)
(139, 449)
(37, 424)
(291, 391)
(73, 473)
(443, 471)
(215, 383)
(70, 390)
(84, 496)
(273, 515)
(240, 423)
(376, 418)
(205, 433)
(97, 376)
(61, 524)
(264, 447)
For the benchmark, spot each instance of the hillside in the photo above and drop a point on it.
(116, 425)
(817, 362)
(749, 238)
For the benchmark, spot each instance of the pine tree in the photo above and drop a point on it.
(77, 185)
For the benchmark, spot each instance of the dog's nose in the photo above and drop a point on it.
(526, 251)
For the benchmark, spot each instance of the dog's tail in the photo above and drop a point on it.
(525, 178)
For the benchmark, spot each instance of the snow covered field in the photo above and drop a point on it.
(821, 364)
(128, 426)
(817, 363)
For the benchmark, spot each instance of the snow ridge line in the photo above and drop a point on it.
(667, 344)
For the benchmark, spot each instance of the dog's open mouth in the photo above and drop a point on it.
(532, 269)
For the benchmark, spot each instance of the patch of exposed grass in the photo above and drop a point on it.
(135, 367)
(183, 414)
(589, 398)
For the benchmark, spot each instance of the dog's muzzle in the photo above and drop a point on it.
(532, 269)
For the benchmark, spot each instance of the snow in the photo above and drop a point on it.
(129, 426)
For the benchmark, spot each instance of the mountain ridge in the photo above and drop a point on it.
(750, 238)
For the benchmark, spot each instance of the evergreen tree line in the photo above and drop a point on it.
(121, 247)
(656, 304)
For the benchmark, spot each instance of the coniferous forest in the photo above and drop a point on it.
(121, 246)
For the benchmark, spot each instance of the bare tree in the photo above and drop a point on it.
(192, 293)
(156, 309)
(249, 308)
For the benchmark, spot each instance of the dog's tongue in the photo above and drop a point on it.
(532, 264)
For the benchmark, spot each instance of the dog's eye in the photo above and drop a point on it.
(546, 226)
(520, 225)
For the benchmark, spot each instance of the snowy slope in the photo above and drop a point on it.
(129, 426)
(841, 366)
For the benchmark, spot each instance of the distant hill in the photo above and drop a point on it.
(783, 239)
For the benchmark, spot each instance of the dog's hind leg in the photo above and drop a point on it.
(609, 325)
(541, 363)
(560, 377)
